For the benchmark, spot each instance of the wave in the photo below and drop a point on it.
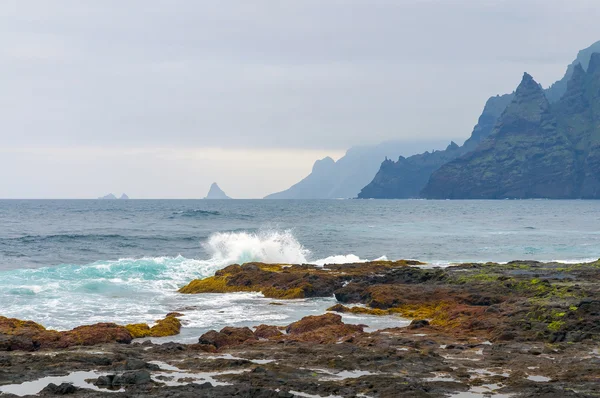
(134, 290)
(264, 246)
(66, 238)
(62, 237)
(196, 213)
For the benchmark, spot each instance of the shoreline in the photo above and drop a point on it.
(523, 328)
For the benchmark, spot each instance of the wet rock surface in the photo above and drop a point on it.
(522, 329)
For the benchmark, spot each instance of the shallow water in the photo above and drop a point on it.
(78, 379)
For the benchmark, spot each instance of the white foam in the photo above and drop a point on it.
(344, 259)
(576, 261)
(266, 246)
(339, 259)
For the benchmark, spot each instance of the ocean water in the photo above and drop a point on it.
(65, 263)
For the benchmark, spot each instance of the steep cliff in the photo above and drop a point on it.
(413, 173)
(536, 150)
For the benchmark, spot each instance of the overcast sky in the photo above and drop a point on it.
(159, 98)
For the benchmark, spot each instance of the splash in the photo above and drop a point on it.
(134, 290)
(344, 259)
(266, 246)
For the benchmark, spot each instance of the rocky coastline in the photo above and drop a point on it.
(521, 329)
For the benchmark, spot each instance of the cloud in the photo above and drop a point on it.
(304, 74)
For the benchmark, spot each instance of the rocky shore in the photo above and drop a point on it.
(522, 329)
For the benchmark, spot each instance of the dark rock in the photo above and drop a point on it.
(17, 343)
(228, 336)
(105, 381)
(311, 323)
(267, 332)
(418, 324)
(136, 364)
(63, 389)
(132, 378)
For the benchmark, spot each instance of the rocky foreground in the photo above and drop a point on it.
(522, 329)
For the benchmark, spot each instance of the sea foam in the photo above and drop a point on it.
(132, 290)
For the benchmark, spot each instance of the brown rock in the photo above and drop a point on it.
(311, 323)
(267, 332)
(228, 336)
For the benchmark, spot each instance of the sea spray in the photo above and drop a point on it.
(132, 290)
(269, 246)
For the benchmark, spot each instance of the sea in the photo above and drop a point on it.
(66, 263)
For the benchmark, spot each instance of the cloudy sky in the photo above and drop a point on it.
(159, 98)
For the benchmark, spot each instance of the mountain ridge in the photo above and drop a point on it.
(413, 173)
(537, 149)
(345, 177)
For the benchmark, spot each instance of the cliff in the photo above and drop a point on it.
(536, 150)
(408, 177)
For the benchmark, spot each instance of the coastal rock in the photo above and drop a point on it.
(322, 329)
(228, 336)
(130, 378)
(62, 389)
(21, 335)
(216, 193)
(169, 326)
(17, 343)
(522, 327)
(283, 281)
(311, 323)
(99, 333)
(267, 332)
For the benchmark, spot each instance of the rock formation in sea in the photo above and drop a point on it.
(344, 178)
(110, 196)
(407, 177)
(216, 193)
(536, 150)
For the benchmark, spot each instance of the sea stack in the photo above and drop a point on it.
(216, 193)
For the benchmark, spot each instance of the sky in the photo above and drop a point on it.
(159, 98)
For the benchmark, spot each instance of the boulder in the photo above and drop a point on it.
(313, 322)
(228, 336)
(130, 378)
(63, 389)
(418, 324)
(267, 332)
